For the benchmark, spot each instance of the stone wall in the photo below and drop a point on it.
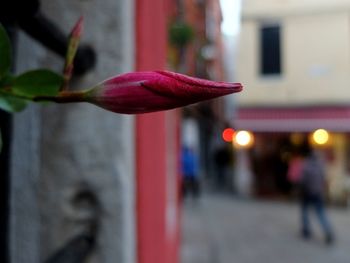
(62, 151)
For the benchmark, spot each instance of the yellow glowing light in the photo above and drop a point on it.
(320, 136)
(244, 138)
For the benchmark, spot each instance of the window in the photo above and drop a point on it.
(270, 50)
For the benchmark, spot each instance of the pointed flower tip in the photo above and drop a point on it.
(142, 92)
(225, 86)
(78, 28)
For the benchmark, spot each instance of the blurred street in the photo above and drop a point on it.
(223, 229)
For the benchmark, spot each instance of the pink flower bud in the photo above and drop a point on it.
(141, 92)
(73, 43)
(78, 28)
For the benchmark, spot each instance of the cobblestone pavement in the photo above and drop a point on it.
(222, 229)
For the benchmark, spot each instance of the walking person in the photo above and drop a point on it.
(222, 159)
(312, 187)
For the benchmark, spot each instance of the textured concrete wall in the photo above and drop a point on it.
(76, 147)
(24, 218)
(25, 167)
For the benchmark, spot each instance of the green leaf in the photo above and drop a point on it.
(40, 82)
(5, 53)
(11, 104)
(6, 81)
(180, 34)
(0, 141)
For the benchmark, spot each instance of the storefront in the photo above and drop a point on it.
(277, 133)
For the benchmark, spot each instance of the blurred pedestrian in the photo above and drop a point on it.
(312, 188)
(190, 171)
(295, 167)
(223, 157)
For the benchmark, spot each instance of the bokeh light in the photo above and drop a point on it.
(320, 136)
(227, 134)
(244, 139)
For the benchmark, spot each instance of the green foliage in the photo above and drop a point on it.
(180, 34)
(8, 102)
(6, 81)
(12, 104)
(39, 82)
(15, 91)
(5, 53)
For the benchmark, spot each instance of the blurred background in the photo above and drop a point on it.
(209, 182)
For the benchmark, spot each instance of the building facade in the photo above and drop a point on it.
(294, 59)
(204, 58)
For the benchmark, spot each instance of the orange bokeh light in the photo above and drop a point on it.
(227, 134)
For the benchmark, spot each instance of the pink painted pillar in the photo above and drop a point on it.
(157, 148)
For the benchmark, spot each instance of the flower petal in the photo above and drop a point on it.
(141, 92)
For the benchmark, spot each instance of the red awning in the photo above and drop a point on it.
(303, 119)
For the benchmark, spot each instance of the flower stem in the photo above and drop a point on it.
(64, 97)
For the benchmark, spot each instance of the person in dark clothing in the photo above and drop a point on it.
(312, 186)
(223, 158)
